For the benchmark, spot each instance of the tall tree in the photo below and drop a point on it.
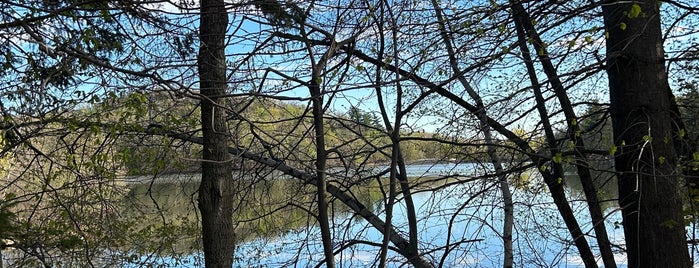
(495, 158)
(215, 193)
(406, 59)
(642, 121)
(524, 25)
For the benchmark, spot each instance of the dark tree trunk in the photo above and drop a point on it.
(215, 198)
(526, 31)
(321, 159)
(642, 121)
(521, 19)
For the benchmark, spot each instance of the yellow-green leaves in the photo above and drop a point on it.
(558, 158)
(505, 50)
(612, 150)
(365, 19)
(622, 26)
(634, 12)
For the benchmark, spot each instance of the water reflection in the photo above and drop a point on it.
(459, 225)
(470, 229)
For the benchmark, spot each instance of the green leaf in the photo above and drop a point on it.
(661, 160)
(95, 129)
(635, 11)
(622, 26)
(558, 158)
(612, 150)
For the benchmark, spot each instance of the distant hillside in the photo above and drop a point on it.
(276, 129)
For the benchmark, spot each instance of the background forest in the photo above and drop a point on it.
(349, 133)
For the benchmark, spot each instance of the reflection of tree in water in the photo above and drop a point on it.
(606, 185)
(268, 205)
(596, 133)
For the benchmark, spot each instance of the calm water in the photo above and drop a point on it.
(468, 215)
(473, 229)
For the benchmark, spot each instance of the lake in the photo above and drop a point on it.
(539, 239)
(276, 233)
(473, 229)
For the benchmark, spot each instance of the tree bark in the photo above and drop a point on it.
(524, 26)
(403, 247)
(215, 193)
(642, 121)
(321, 159)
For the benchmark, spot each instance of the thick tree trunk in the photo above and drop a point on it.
(642, 121)
(215, 194)
(402, 246)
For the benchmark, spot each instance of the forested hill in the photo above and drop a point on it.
(276, 128)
